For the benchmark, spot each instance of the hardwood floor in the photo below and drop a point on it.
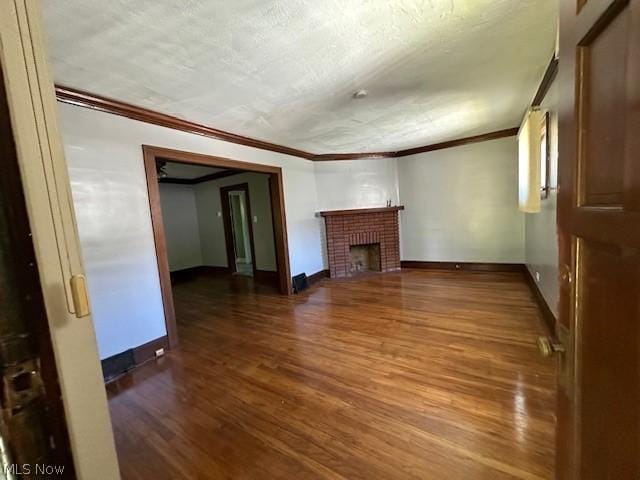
(414, 375)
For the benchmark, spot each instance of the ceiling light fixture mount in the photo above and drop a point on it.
(359, 94)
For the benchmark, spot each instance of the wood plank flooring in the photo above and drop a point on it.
(414, 375)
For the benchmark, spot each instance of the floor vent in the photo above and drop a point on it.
(300, 283)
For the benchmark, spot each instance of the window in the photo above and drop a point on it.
(545, 156)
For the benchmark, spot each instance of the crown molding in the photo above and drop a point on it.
(508, 132)
(549, 75)
(203, 178)
(109, 105)
(116, 107)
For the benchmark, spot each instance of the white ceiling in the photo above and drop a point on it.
(284, 71)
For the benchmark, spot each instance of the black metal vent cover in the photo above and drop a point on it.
(300, 282)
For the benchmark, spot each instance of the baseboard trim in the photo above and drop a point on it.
(316, 277)
(265, 276)
(116, 365)
(464, 266)
(188, 273)
(547, 315)
(147, 351)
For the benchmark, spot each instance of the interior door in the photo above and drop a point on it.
(599, 228)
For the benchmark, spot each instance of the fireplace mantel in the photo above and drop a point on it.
(374, 227)
(355, 211)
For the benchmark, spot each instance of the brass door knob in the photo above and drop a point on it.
(548, 347)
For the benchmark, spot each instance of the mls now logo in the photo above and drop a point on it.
(37, 469)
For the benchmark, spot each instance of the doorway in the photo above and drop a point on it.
(154, 155)
(238, 223)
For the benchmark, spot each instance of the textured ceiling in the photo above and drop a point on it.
(284, 71)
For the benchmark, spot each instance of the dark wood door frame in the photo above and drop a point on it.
(228, 229)
(150, 155)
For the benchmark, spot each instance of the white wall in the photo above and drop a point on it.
(462, 204)
(109, 188)
(211, 225)
(181, 229)
(541, 238)
(363, 183)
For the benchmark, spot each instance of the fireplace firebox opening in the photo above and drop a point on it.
(364, 258)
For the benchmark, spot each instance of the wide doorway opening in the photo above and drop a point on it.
(219, 225)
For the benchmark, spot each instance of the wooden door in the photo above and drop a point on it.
(599, 228)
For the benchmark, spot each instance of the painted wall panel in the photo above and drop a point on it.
(356, 183)
(112, 211)
(104, 153)
(462, 204)
(181, 228)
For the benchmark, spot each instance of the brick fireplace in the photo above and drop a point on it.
(362, 240)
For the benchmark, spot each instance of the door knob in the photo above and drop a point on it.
(547, 347)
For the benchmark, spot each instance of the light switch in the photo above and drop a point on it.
(255, 219)
(219, 214)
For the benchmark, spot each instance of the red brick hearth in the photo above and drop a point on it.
(374, 227)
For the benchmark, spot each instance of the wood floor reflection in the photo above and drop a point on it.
(414, 375)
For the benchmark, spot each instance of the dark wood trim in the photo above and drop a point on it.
(278, 215)
(549, 75)
(150, 155)
(85, 99)
(177, 181)
(228, 229)
(509, 132)
(316, 277)
(464, 266)
(330, 157)
(109, 105)
(356, 211)
(548, 317)
(157, 224)
(186, 274)
(181, 156)
(147, 351)
(265, 276)
(216, 176)
(115, 366)
(204, 178)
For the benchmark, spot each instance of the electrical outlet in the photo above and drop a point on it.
(159, 352)
(537, 276)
